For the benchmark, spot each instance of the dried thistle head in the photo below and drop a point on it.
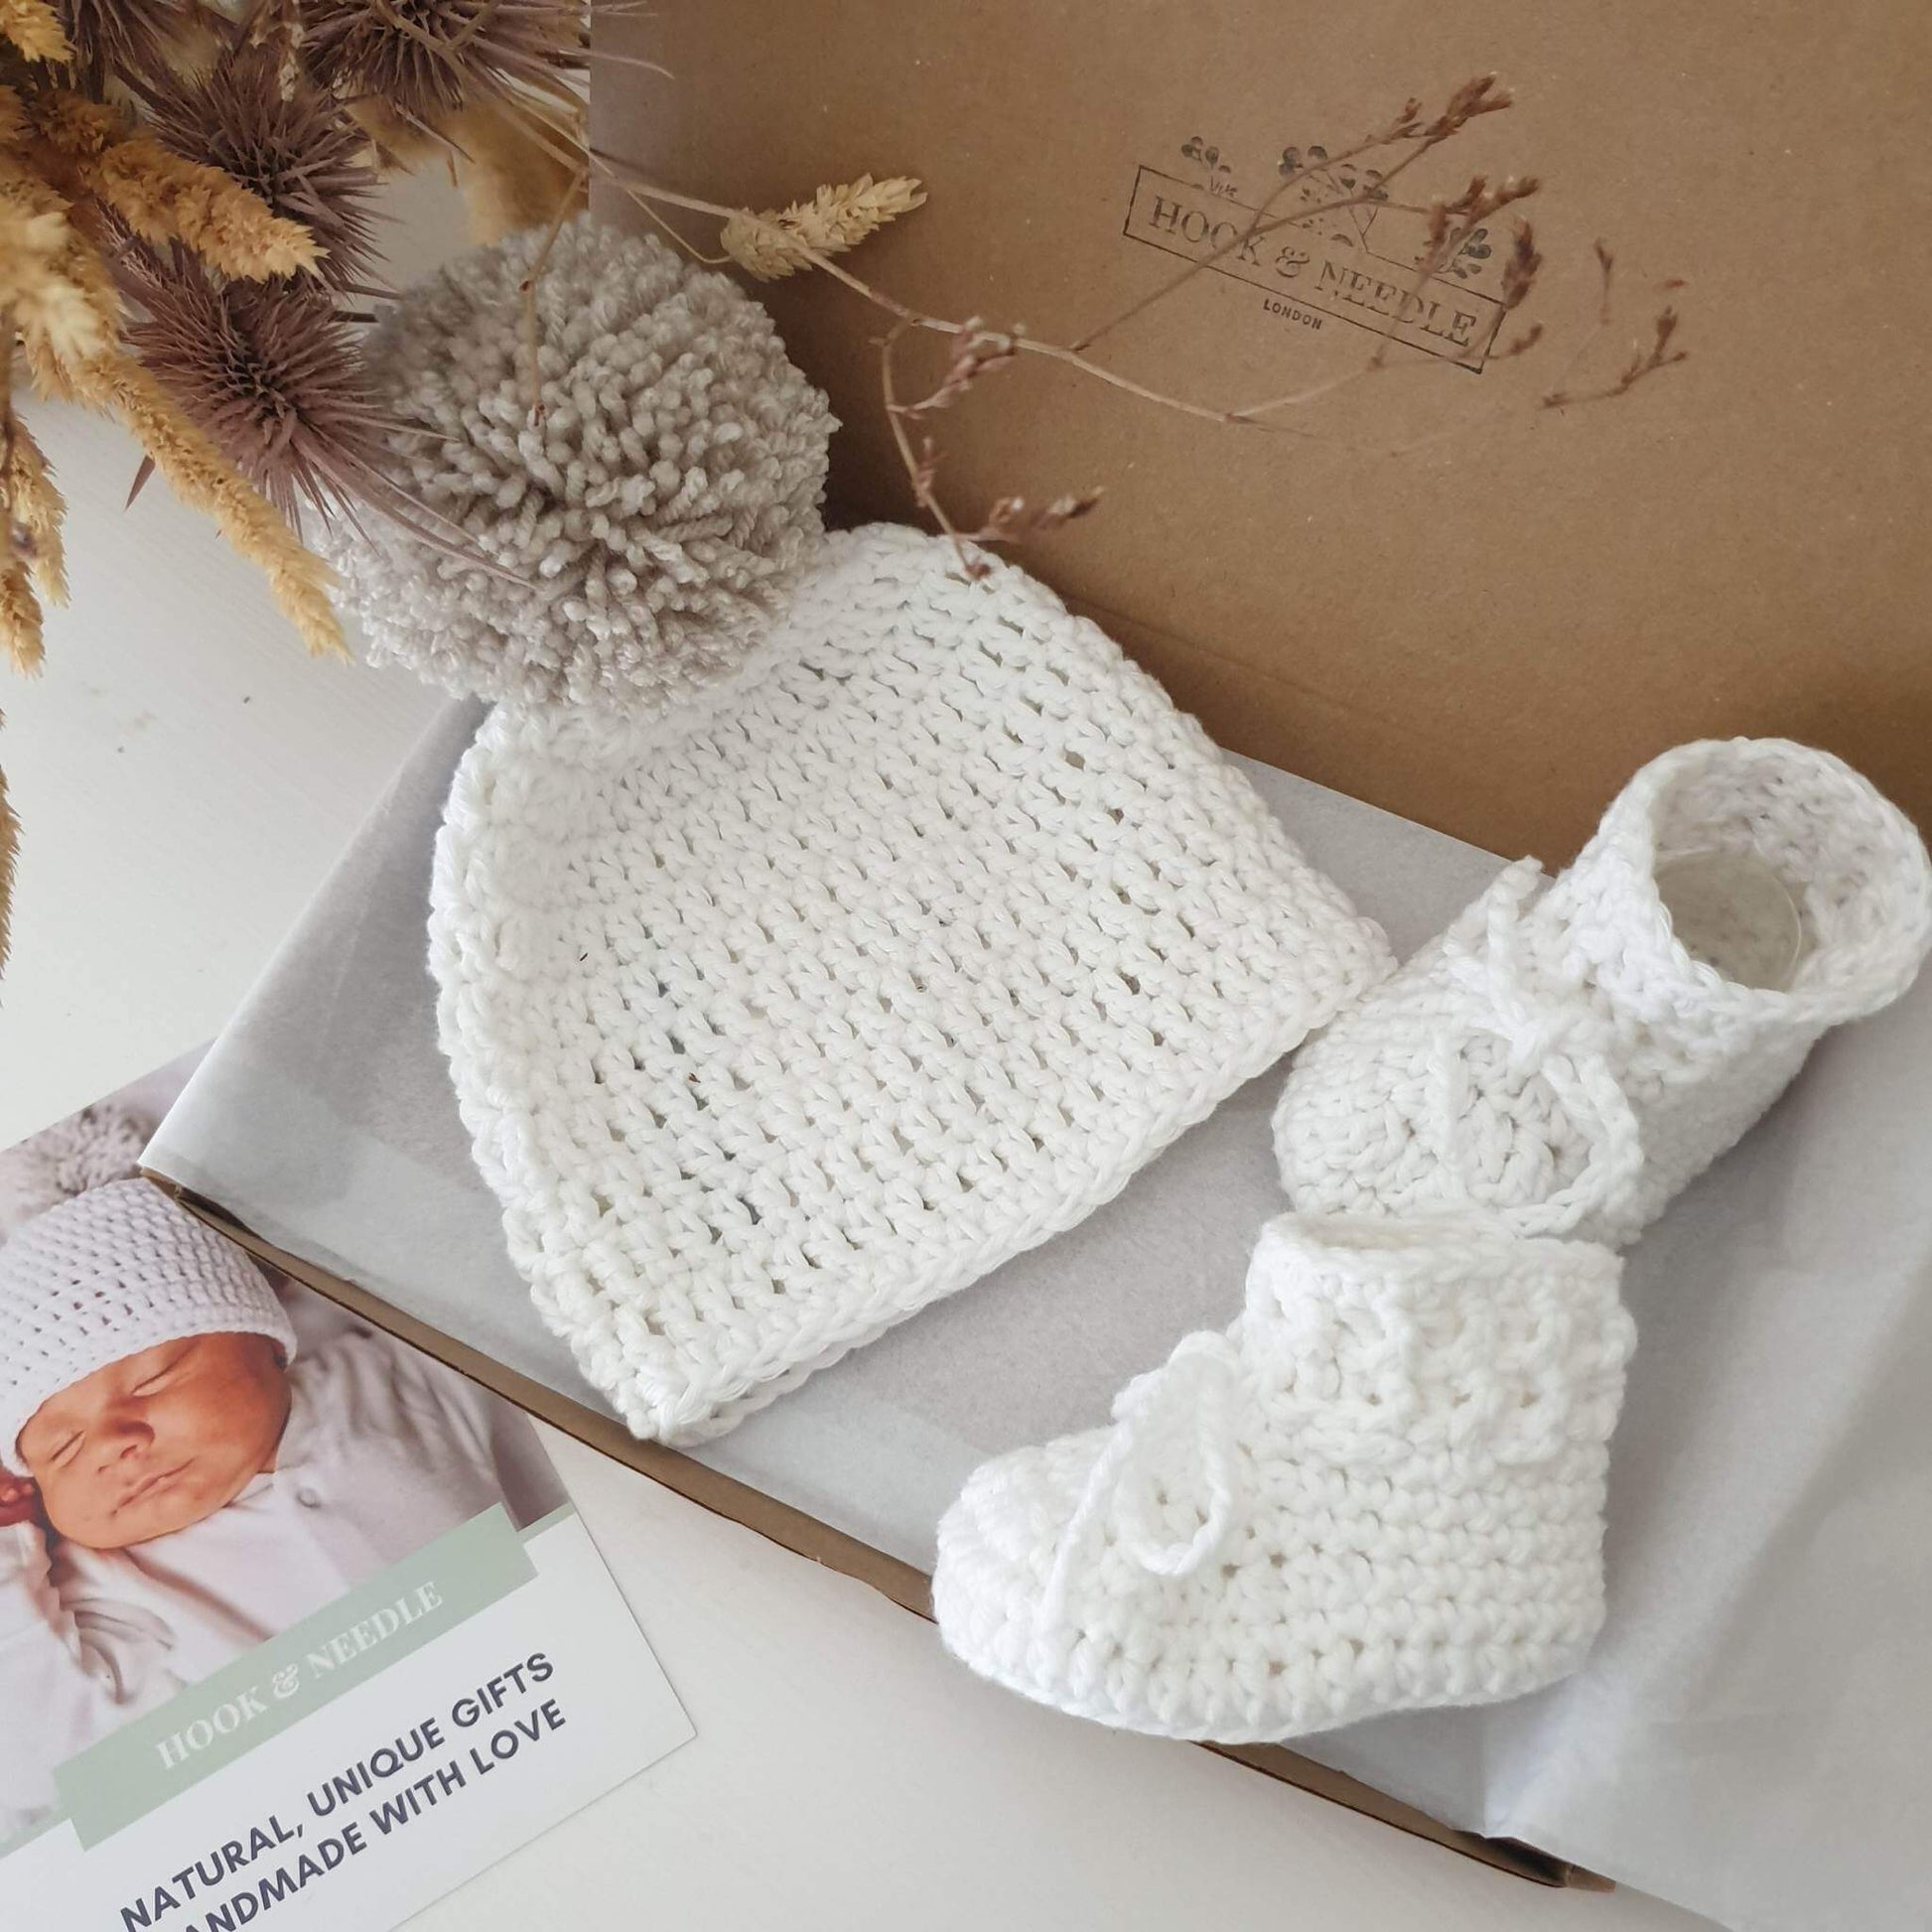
(127, 39)
(270, 372)
(427, 59)
(292, 146)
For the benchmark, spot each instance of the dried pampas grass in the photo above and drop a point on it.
(9, 849)
(20, 620)
(35, 512)
(35, 29)
(39, 251)
(780, 243)
(510, 180)
(163, 198)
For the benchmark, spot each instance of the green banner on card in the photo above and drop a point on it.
(279, 1682)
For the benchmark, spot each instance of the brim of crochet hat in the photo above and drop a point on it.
(777, 1015)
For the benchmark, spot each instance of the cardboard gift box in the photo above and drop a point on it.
(1491, 630)
(1482, 636)
(1758, 1699)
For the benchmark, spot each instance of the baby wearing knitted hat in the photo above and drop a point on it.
(180, 1482)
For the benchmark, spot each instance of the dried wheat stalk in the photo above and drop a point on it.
(780, 243)
(35, 29)
(163, 198)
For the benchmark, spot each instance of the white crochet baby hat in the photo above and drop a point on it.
(1571, 1053)
(1381, 1490)
(780, 1012)
(107, 1274)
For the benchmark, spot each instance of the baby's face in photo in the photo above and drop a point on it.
(157, 1440)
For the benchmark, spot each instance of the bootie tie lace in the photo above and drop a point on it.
(1381, 1489)
(1570, 1055)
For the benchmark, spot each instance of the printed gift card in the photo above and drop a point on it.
(293, 1618)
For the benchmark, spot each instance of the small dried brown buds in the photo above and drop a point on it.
(1520, 270)
(976, 349)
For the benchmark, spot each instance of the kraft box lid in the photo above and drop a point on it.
(1488, 632)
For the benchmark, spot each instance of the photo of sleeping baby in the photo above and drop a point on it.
(194, 1455)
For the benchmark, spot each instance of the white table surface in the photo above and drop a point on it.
(185, 776)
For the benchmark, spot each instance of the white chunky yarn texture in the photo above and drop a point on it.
(653, 514)
(781, 1013)
(1561, 1057)
(1382, 1490)
(107, 1274)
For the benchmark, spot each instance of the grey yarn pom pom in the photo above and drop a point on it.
(655, 510)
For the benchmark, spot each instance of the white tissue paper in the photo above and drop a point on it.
(1752, 1737)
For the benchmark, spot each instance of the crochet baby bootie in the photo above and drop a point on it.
(779, 1012)
(1381, 1489)
(1571, 1055)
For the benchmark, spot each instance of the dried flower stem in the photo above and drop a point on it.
(1659, 354)
(527, 289)
(918, 467)
(1452, 223)
(1606, 272)
(681, 243)
(1010, 519)
(641, 189)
